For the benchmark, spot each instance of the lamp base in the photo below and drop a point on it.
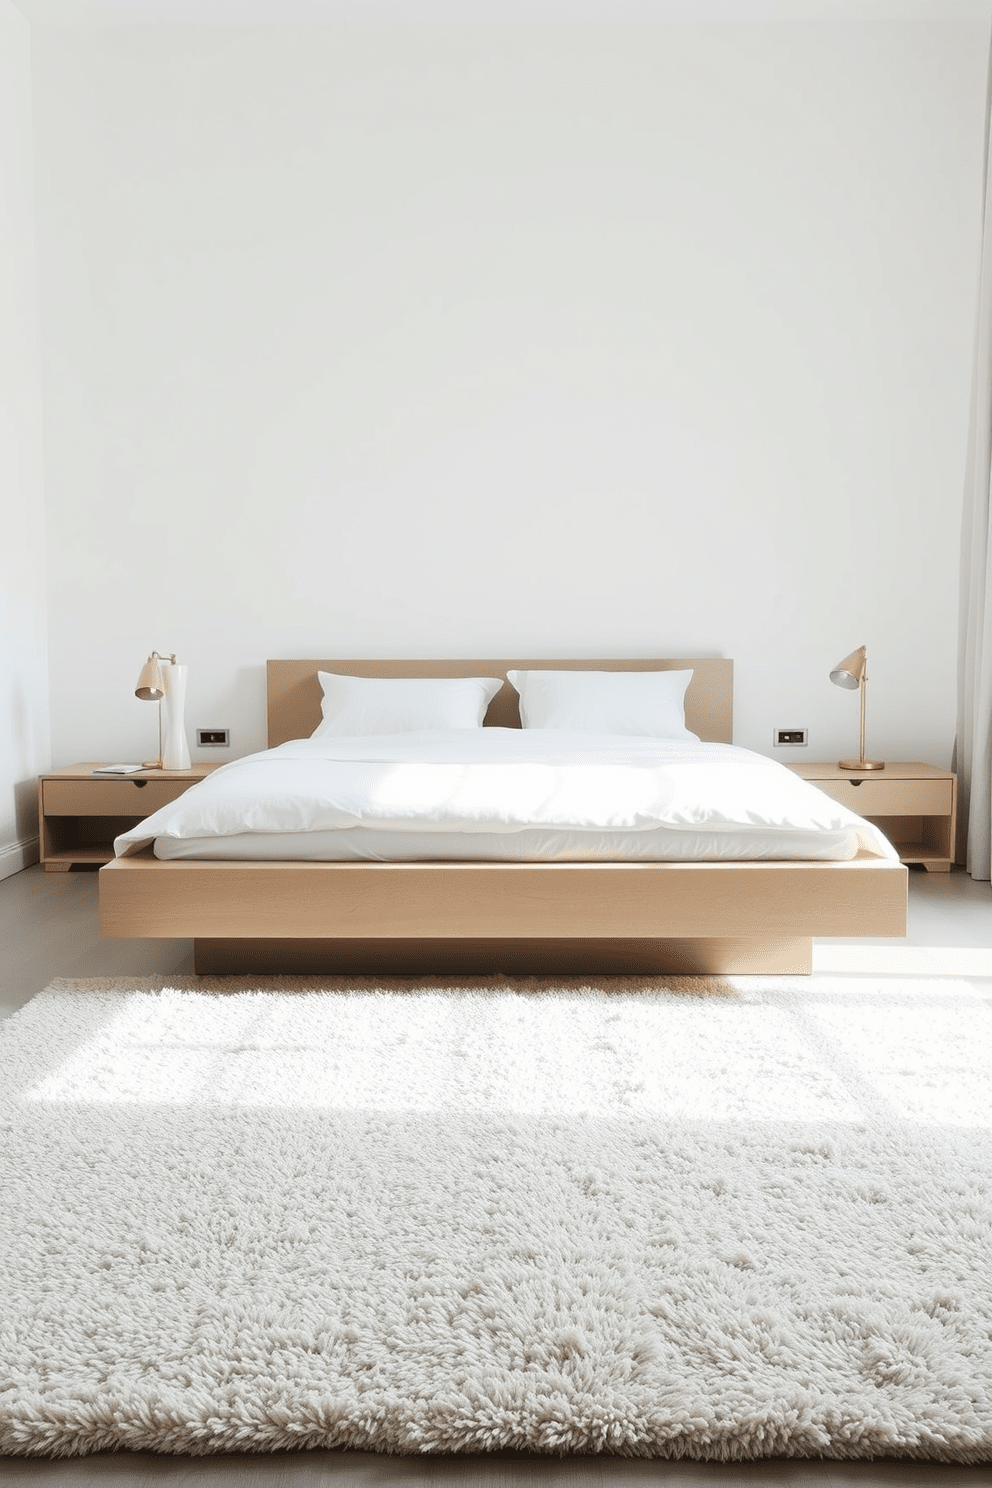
(861, 764)
(152, 764)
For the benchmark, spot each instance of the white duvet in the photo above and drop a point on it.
(506, 794)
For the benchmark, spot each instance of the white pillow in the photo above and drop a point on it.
(399, 705)
(650, 703)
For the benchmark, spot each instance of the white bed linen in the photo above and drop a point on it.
(358, 845)
(545, 795)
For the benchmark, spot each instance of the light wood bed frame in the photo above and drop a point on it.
(415, 918)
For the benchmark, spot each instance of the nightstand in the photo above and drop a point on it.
(915, 805)
(80, 814)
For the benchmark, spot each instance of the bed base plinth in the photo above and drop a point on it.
(531, 957)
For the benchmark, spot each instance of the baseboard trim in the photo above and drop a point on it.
(17, 856)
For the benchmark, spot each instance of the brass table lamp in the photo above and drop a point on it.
(853, 672)
(151, 689)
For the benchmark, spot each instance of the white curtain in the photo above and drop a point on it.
(973, 750)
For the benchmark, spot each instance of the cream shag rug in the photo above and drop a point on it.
(725, 1219)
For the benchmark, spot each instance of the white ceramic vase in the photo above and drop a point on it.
(175, 748)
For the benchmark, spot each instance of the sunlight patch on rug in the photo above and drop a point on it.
(724, 1218)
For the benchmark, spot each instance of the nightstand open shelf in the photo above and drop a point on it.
(914, 804)
(80, 813)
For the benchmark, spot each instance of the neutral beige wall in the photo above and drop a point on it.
(24, 742)
(549, 340)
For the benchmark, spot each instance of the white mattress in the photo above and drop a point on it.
(360, 845)
(505, 795)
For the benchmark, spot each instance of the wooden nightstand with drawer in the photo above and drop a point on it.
(915, 805)
(80, 814)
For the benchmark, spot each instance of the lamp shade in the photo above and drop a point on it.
(150, 688)
(849, 672)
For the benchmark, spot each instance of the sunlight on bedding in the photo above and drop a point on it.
(539, 793)
(435, 790)
(835, 1052)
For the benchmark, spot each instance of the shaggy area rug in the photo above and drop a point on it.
(711, 1219)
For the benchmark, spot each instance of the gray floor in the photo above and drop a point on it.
(48, 928)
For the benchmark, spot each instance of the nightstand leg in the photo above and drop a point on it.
(57, 867)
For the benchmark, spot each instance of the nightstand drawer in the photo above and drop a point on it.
(109, 797)
(892, 797)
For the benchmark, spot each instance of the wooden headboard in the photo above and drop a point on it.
(294, 694)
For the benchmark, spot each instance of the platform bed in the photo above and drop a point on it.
(415, 918)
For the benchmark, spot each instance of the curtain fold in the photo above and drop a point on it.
(973, 746)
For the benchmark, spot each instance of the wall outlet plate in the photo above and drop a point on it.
(213, 738)
(790, 738)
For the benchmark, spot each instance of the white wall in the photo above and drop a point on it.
(531, 340)
(24, 742)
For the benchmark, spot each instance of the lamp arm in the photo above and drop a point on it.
(864, 699)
